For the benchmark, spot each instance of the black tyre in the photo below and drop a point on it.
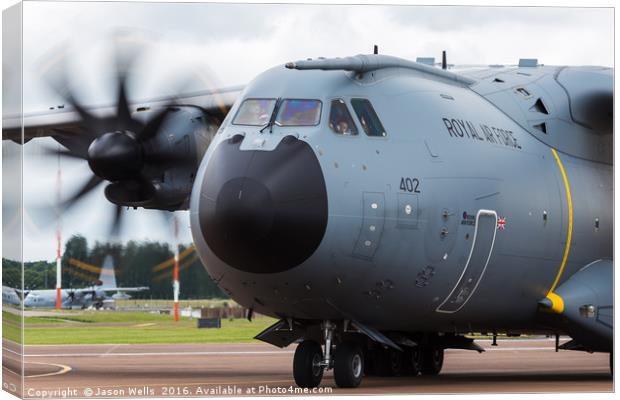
(348, 365)
(414, 360)
(432, 360)
(387, 362)
(307, 369)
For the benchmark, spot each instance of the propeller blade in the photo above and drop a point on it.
(163, 160)
(155, 157)
(55, 73)
(200, 76)
(91, 124)
(165, 217)
(91, 184)
(152, 127)
(63, 153)
(117, 221)
(123, 113)
(127, 48)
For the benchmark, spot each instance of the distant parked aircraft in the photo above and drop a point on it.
(97, 296)
(11, 296)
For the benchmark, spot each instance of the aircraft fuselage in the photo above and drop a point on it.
(457, 220)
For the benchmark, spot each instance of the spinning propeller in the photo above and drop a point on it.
(120, 149)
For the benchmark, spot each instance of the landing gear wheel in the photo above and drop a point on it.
(414, 360)
(432, 360)
(387, 362)
(307, 369)
(348, 365)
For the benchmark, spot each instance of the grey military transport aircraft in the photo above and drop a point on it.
(11, 296)
(101, 295)
(380, 208)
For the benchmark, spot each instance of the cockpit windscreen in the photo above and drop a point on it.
(299, 112)
(254, 112)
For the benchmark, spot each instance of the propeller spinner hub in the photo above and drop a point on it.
(116, 156)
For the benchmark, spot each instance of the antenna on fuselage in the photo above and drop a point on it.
(444, 61)
(376, 50)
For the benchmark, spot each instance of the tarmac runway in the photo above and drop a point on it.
(516, 365)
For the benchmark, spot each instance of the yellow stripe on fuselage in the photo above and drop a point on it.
(570, 221)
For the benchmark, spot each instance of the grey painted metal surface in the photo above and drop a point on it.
(568, 108)
(589, 305)
(467, 148)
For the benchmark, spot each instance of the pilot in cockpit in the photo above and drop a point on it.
(343, 127)
(340, 119)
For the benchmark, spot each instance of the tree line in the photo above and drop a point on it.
(135, 264)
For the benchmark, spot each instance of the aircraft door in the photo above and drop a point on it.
(479, 255)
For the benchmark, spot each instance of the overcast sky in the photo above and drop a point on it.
(229, 44)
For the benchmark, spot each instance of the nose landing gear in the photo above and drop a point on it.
(307, 364)
(310, 361)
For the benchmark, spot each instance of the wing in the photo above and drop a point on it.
(125, 289)
(79, 293)
(66, 122)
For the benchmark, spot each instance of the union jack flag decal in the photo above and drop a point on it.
(501, 223)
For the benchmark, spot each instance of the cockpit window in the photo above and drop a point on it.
(299, 112)
(254, 112)
(368, 117)
(340, 120)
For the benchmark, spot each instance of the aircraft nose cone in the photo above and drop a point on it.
(246, 207)
(263, 211)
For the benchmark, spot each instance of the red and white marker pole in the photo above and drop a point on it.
(176, 285)
(58, 273)
(59, 242)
